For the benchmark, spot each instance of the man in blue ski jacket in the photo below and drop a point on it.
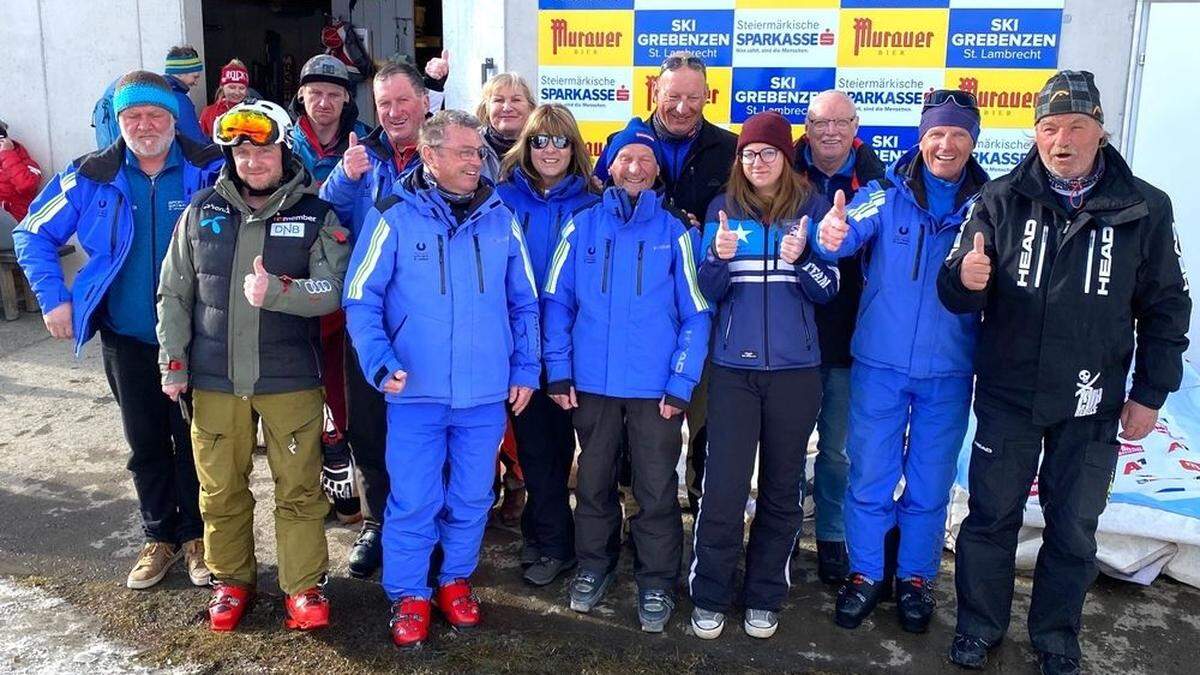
(441, 307)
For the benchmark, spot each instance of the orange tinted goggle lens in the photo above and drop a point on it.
(253, 126)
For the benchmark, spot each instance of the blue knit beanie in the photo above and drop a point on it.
(636, 132)
(142, 87)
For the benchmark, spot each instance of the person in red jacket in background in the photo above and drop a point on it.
(19, 176)
(234, 83)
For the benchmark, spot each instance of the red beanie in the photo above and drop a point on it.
(771, 128)
(234, 73)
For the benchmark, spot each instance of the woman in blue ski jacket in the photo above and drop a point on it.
(544, 179)
(765, 384)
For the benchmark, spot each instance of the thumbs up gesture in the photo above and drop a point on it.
(438, 67)
(793, 242)
(355, 161)
(255, 286)
(976, 266)
(726, 242)
(833, 226)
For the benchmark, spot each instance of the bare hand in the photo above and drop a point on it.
(792, 246)
(355, 162)
(726, 242)
(58, 322)
(976, 266)
(692, 219)
(833, 226)
(566, 401)
(255, 286)
(174, 390)
(1137, 420)
(667, 410)
(518, 398)
(439, 67)
(395, 383)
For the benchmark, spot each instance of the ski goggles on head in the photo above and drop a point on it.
(237, 125)
(962, 99)
(540, 141)
(677, 62)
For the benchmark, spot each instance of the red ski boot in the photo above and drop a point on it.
(457, 602)
(409, 623)
(229, 602)
(307, 610)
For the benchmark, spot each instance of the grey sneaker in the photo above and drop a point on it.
(587, 589)
(546, 570)
(707, 625)
(654, 610)
(760, 623)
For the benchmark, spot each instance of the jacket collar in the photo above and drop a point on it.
(867, 166)
(566, 188)
(1116, 191)
(283, 198)
(618, 204)
(103, 166)
(905, 174)
(425, 198)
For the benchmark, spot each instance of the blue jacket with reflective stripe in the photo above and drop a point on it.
(91, 199)
(901, 323)
(542, 216)
(765, 305)
(453, 305)
(624, 315)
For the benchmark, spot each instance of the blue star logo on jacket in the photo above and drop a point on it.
(213, 223)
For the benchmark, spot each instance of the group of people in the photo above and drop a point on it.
(759, 286)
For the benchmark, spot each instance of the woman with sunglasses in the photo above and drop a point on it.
(504, 106)
(765, 384)
(544, 179)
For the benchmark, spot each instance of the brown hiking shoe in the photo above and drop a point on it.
(152, 565)
(193, 559)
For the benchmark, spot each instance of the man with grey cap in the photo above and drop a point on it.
(1070, 257)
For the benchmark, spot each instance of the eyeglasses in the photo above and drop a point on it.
(540, 141)
(841, 124)
(250, 125)
(466, 153)
(767, 155)
(960, 98)
(675, 62)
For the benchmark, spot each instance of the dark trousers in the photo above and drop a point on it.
(1073, 483)
(367, 434)
(545, 451)
(160, 443)
(767, 415)
(654, 447)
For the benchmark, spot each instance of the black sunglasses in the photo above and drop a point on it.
(540, 141)
(676, 62)
(960, 98)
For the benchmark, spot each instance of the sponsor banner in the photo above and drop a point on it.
(890, 143)
(893, 4)
(893, 38)
(591, 93)
(1003, 38)
(793, 4)
(889, 96)
(799, 38)
(689, 4)
(706, 33)
(716, 109)
(585, 4)
(786, 90)
(595, 135)
(1000, 150)
(570, 38)
(1006, 97)
(1008, 4)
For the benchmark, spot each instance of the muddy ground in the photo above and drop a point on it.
(70, 527)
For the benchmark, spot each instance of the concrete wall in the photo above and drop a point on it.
(69, 52)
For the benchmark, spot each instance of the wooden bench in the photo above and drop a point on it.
(14, 288)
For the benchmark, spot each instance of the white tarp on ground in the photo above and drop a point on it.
(1152, 523)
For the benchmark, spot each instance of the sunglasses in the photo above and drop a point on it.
(250, 125)
(676, 62)
(540, 141)
(962, 99)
